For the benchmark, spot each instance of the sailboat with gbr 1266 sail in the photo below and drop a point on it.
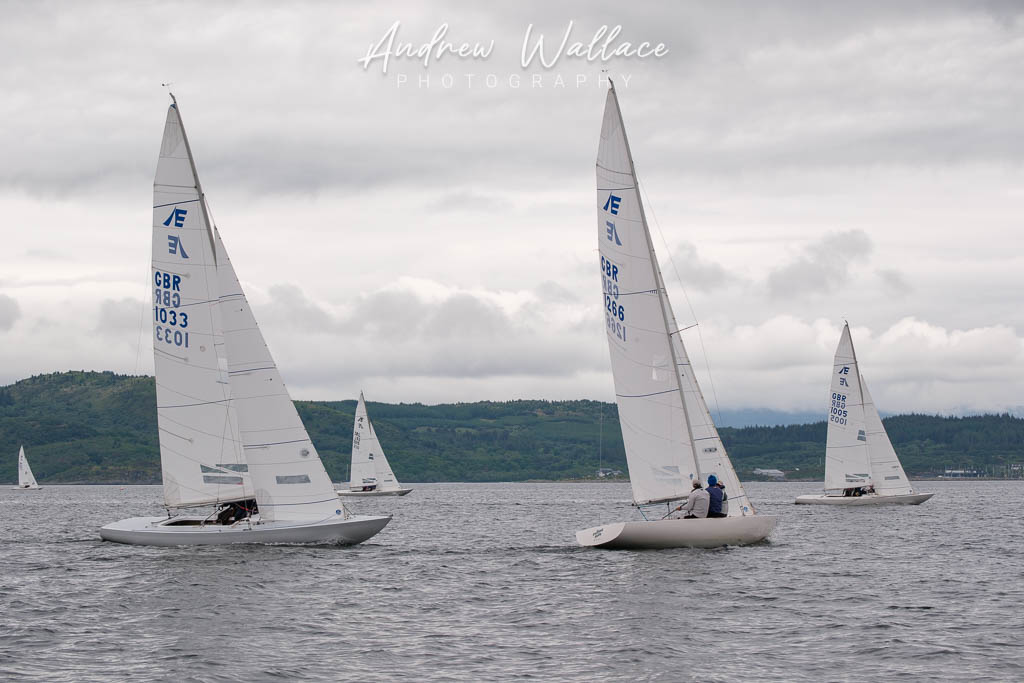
(230, 438)
(667, 430)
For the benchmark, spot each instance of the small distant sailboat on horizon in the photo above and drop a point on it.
(26, 480)
(861, 466)
(669, 436)
(231, 440)
(370, 474)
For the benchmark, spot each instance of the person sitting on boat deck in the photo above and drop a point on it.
(696, 505)
(715, 496)
(725, 499)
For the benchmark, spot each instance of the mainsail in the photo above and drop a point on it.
(847, 462)
(26, 480)
(886, 471)
(200, 448)
(370, 466)
(667, 429)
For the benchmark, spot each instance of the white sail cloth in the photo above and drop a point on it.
(287, 474)
(228, 428)
(886, 470)
(26, 480)
(370, 466)
(668, 442)
(847, 462)
(200, 448)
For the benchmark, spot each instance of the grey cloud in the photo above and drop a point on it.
(823, 266)
(554, 292)
(894, 282)
(696, 272)
(290, 306)
(10, 311)
(117, 316)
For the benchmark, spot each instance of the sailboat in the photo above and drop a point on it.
(861, 466)
(26, 480)
(371, 474)
(669, 436)
(231, 441)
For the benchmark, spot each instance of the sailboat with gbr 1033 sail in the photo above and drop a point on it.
(231, 440)
(667, 430)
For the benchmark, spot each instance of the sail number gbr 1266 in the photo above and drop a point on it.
(614, 312)
(169, 324)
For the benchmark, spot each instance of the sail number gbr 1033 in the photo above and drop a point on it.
(838, 413)
(614, 312)
(169, 325)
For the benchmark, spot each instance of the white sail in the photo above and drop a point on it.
(26, 480)
(200, 449)
(288, 476)
(847, 463)
(886, 471)
(655, 430)
(711, 454)
(370, 466)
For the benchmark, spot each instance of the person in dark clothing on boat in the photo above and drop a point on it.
(715, 495)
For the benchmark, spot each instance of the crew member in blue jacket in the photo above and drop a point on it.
(715, 494)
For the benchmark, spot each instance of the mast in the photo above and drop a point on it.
(662, 293)
(195, 177)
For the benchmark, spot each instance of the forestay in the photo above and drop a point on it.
(655, 432)
(26, 479)
(287, 473)
(200, 449)
(886, 471)
(846, 450)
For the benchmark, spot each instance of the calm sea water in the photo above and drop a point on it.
(481, 582)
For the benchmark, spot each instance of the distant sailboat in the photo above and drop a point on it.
(371, 474)
(861, 466)
(667, 430)
(26, 480)
(230, 437)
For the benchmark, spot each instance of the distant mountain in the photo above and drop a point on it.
(98, 427)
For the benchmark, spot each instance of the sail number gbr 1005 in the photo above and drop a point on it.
(614, 312)
(838, 413)
(169, 325)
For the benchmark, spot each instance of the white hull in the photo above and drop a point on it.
(164, 531)
(26, 488)
(679, 533)
(390, 492)
(870, 499)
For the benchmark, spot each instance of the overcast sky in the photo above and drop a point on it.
(428, 234)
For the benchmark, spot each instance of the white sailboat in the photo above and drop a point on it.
(861, 466)
(667, 430)
(231, 440)
(26, 480)
(371, 474)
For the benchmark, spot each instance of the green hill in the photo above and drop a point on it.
(98, 427)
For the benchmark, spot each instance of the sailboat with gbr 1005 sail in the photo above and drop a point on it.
(371, 473)
(667, 430)
(861, 466)
(230, 437)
